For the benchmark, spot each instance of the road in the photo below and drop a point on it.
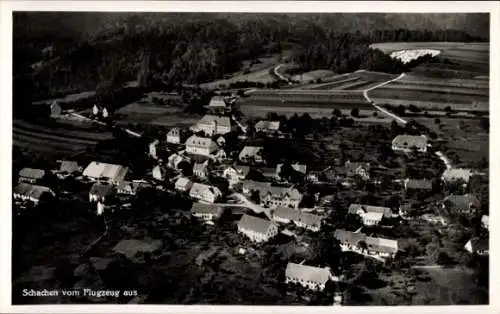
(281, 77)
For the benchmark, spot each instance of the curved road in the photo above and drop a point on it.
(441, 156)
(281, 77)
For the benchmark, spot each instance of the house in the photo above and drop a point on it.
(174, 160)
(206, 211)
(152, 149)
(257, 229)
(267, 126)
(302, 169)
(220, 155)
(314, 278)
(129, 188)
(213, 124)
(267, 172)
(67, 168)
(183, 184)
(30, 175)
(304, 220)
(217, 102)
(158, 173)
(205, 193)
(55, 109)
(100, 208)
(371, 215)
(200, 145)
(360, 243)
(273, 196)
(110, 172)
(478, 246)
(30, 192)
(99, 192)
(176, 136)
(408, 143)
(234, 174)
(200, 170)
(465, 204)
(485, 222)
(249, 186)
(455, 174)
(361, 169)
(420, 185)
(251, 154)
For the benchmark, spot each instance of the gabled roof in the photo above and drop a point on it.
(110, 171)
(101, 189)
(457, 173)
(297, 167)
(353, 209)
(268, 125)
(478, 244)
(201, 208)
(382, 245)
(202, 142)
(462, 202)
(174, 132)
(349, 237)
(409, 141)
(255, 185)
(287, 213)
(310, 219)
(30, 190)
(255, 224)
(182, 181)
(376, 216)
(307, 273)
(219, 120)
(217, 101)
(248, 151)
(199, 188)
(69, 166)
(32, 173)
(422, 184)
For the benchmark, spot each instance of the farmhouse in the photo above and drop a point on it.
(361, 169)
(176, 136)
(310, 277)
(183, 184)
(200, 170)
(68, 167)
(200, 145)
(302, 169)
(286, 215)
(465, 204)
(257, 229)
(309, 221)
(206, 211)
(360, 243)
(267, 126)
(30, 175)
(100, 170)
(304, 220)
(485, 222)
(478, 246)
(273, 196)
(212, 124)
(205, 193)
(217, 102)
(99, 192)
(234, 174)
(408, 143)
(455, 174)
(251, 154)
(423, 184)
(371, 215)
(33, 193)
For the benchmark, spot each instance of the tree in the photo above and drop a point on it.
(336, 112)
(355, 112)
(255, 197)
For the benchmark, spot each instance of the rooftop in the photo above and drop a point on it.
(354, 208)
(202, 142)
(219, 120)
(199, 188)
(101, 189)
(30, 190)
(104, 170)
(32, 173)
(206, 208)
(307, 273)
(268, 125)
(258, 225)
(409, 141)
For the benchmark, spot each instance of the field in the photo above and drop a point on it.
(433, 93)
(68, 98)
(143, 113)
(311, 76)
(61, 138)
(359, 80)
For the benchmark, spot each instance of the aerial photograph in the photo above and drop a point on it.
(196, 158)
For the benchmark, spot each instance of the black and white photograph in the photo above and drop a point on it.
(250, 158)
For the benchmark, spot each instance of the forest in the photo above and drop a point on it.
(190, 48)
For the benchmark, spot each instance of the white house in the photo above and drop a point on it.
(212, 124)
(175, 136)
(33, 193)
(205, 193)
(371, 215)
(314, 278)
(234, 174)
(360, 243)
(183, 184)
(200, 145)
(104, 171)
(207, 212)
(257, 229)
(200, 170)
(100, 192)
(408, 143)
(251, 153)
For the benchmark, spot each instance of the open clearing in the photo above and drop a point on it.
(359, 80)
(143, 113)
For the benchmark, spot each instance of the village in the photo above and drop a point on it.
(225, 169)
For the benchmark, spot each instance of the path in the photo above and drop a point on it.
(281, 77)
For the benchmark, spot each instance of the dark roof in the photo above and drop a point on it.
(479, 244)
(256, 224)
(350, 237)
(69, 166)
(101, 189)
(462, 202)
(202, 208)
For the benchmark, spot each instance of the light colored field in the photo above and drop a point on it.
(310, 76)
(356, 81)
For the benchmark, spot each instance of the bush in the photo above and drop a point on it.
(337, 112)
(355, 112)
(437, 121)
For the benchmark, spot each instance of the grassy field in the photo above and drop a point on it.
(311, 76)
(142, 113)
(360, 80)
